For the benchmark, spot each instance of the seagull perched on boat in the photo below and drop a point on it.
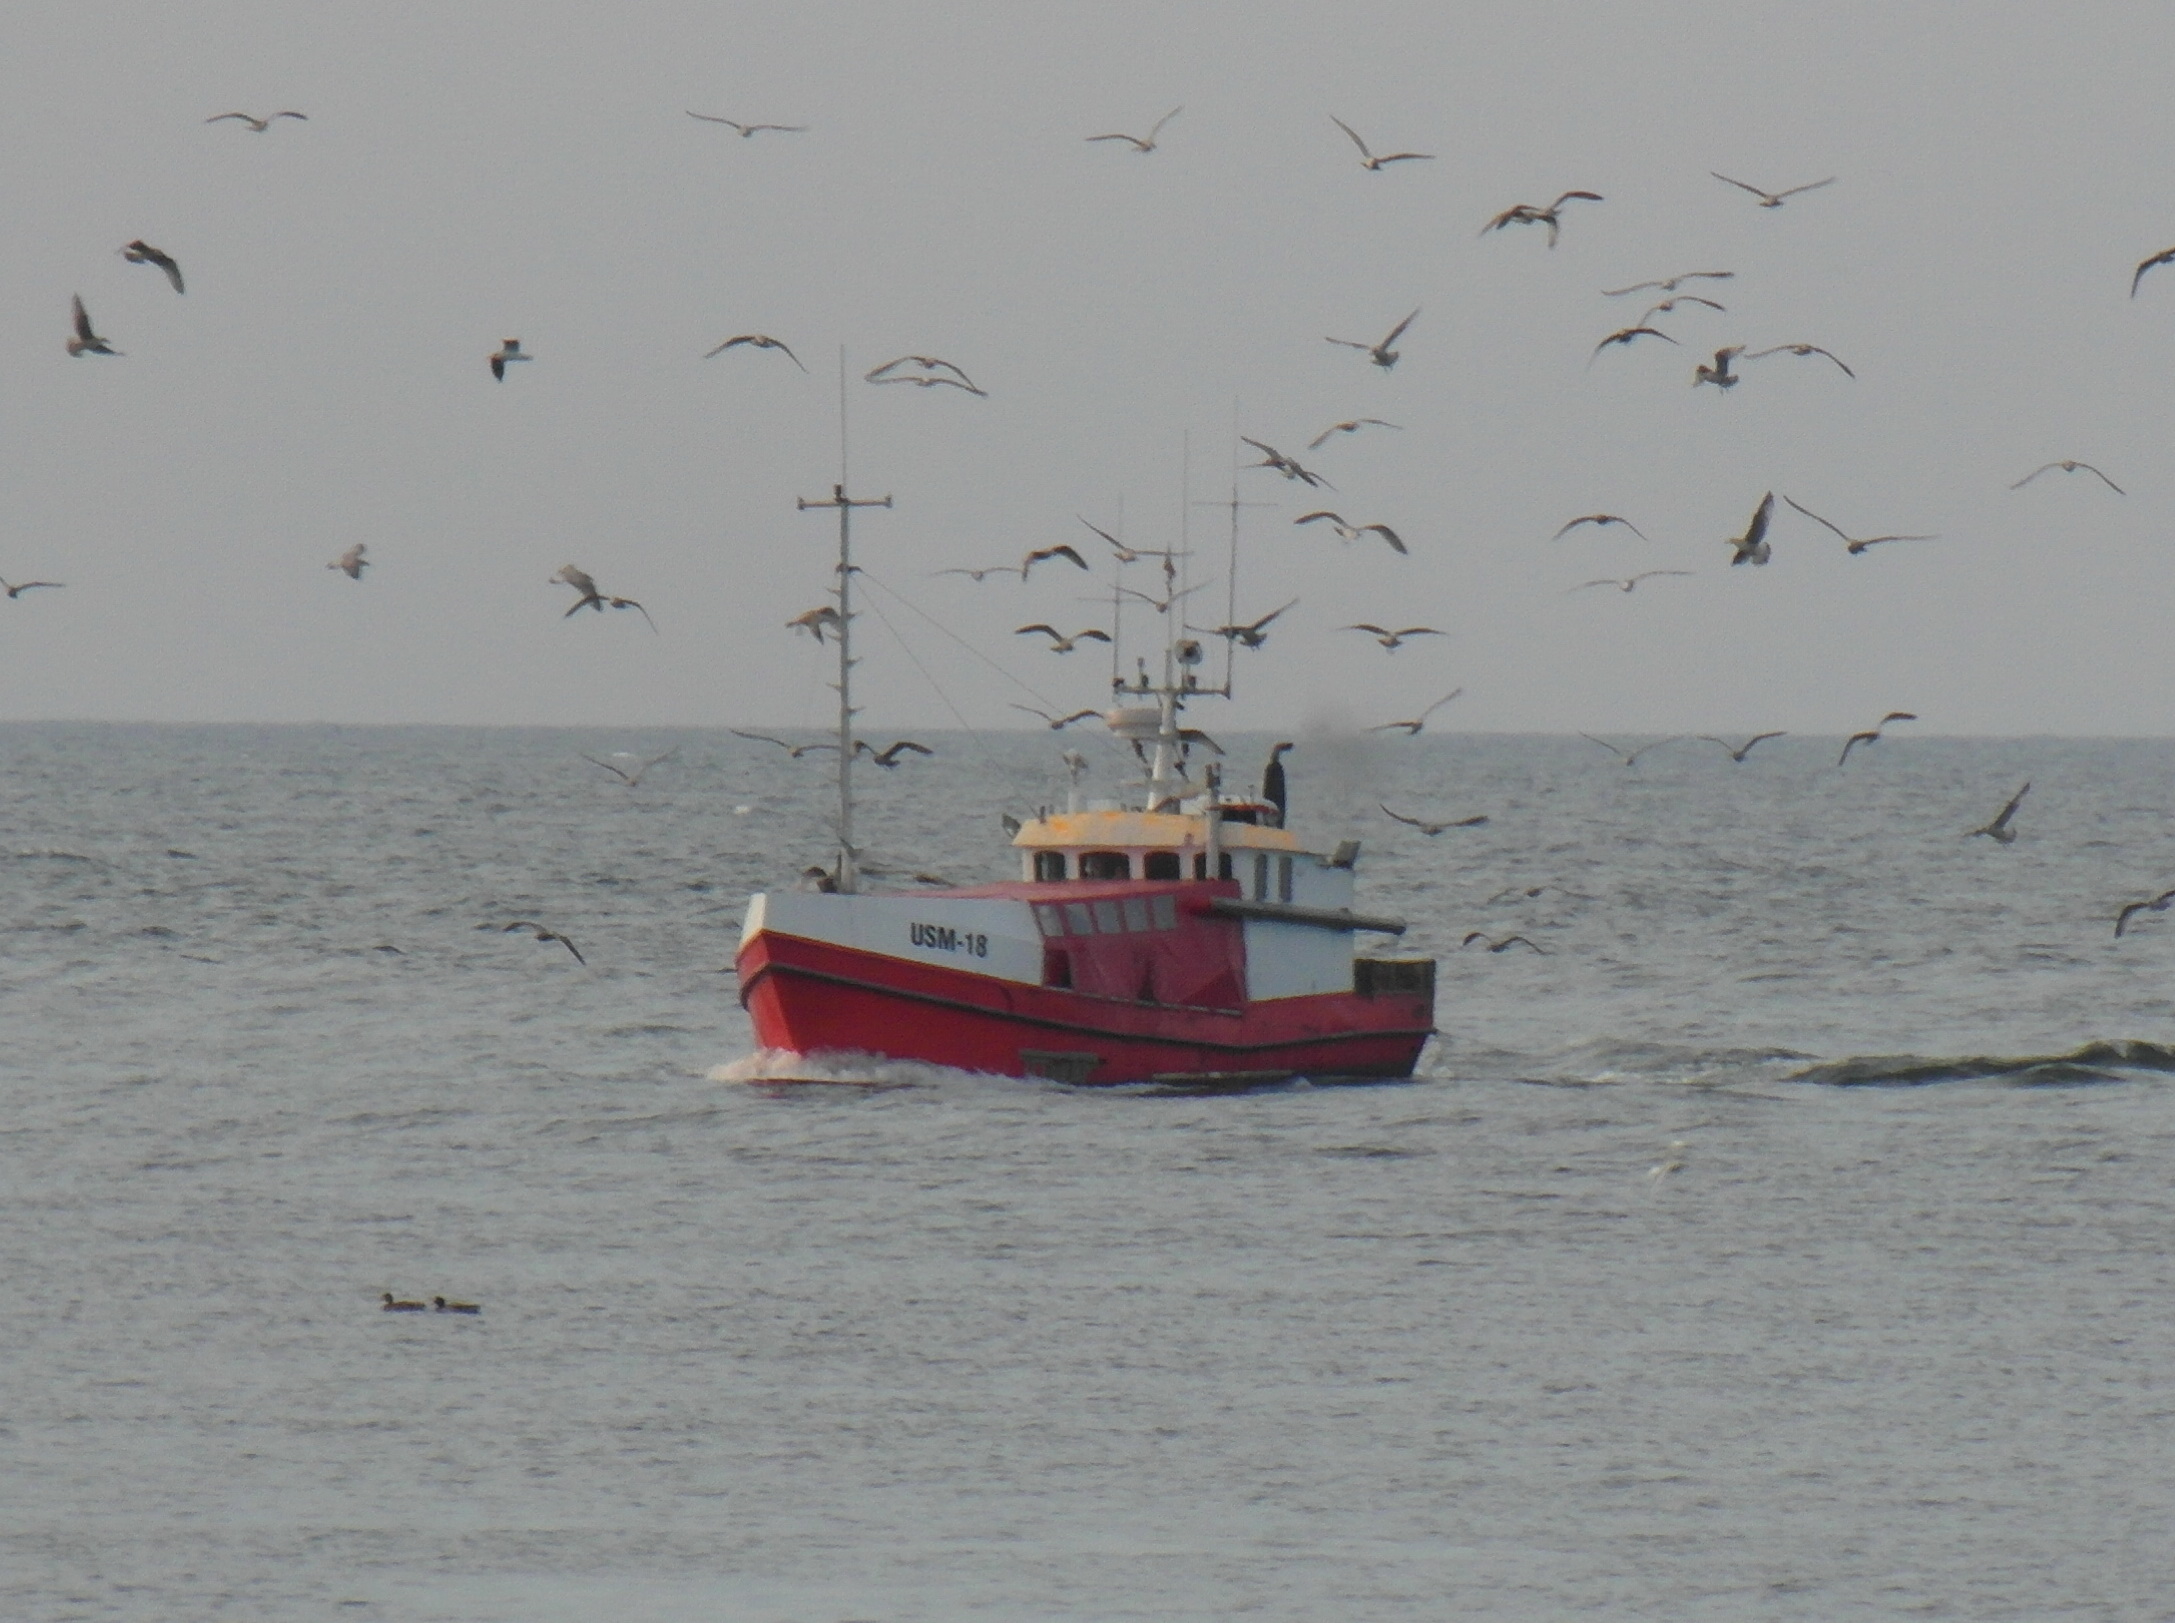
(1630, 757)
(1854, 546)
(2165, 256)
(1668, 284)
(746, 130)
(1059, 642)
(85, 341)
(2067, 466)
(21, 587)
(1871, 735)
(757, 340)
(1601, 521)
(542, 934)
(1394, 640)
(1999, 830)
(1431, 829)
(351, 563)
(141, 252)
(1057, 723)
(1503, 945)
(260, 125)
(816, 621)
(794, 750)
(1625, 583)
(888, 757)
(1142, 143)
(1411, 728)
(1352, 532)
(927, 363)
(591, 598)
(1801, 349)
(1719, 373)
(1738, 752)
(1271, 457)
(1628, 336)
(1367, 159)
(1351, 425)
(1534, 214)
(1246, 636)
(508, 351)
(633, 779)
(1773, 200)
(2156, 904)
(1752, 547)
(1381, 354)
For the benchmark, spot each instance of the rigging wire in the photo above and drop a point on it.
(907, 649)
(907, 602)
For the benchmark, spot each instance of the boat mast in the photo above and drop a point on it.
(845, 505)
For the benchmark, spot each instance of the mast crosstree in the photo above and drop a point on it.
(845, 505)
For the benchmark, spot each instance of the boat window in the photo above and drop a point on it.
(1164, 910)
(1240, 814)
(1107, 919)
(1049, 865)
(1261, 876)
(1223, 866)
(1160, 865)
(1200, 864)
(1051, 920)
(1105, 865)
(1056, 967)
(1136, 912)
(1283, 879)
(1079, 918)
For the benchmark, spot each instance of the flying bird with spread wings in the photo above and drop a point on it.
(508, 351)
(1394, 640)
(746, 130)
(756, 340)
(1412, 728)
(927, 363)
(1348, 531)
(2155, 904)
(794, 750)
(1773, 200)
(1381, 354)
(86, 341)
(1802, 349)
(1432, 829)
(1668, 284)
(888, 757)
(1142, 143)
(1350, 426)
(1738, 752)
(1535, 214)
(1599, 521)
(1271, 457)
(1059, 642)
(141, 252)
(259, 125)
(1753, 547)
(2070, 466)
(1624, 583)
(541, 933)
(1628, 336)
(1057, 723)
(1999, 830)
(817, 621)
(1022, 568)
(351, 563)
(1246, 636)
(1871, 735)
(1367, 158)
(1630, 757)
(590, 598)
(632, 777)
(2165, 256)
(20, 587)
(1718, 373)
(1854, 544)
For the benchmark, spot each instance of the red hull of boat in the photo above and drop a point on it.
(817, 997)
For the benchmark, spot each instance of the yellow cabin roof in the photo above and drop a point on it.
(1134, 830)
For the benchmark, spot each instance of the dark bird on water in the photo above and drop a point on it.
(542, 934)
(1773, 200)
(1854, 545)
(1142, 143)
(441, 1305)
(1872, 734)
(1273, 787)
(1738, 752)
(1535, 214)
(141, 252)
(1381, 354)
(392, 1306)
(756, 340)
(2156, 904)
(1432, 829)
(1503, 945)
(2066, 465)
(1367, 159)
(591, 598)
(1999, 830)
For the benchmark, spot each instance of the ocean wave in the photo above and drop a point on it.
(782, 1067)
(2095, 1062)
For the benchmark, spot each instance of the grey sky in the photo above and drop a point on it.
(475, 172)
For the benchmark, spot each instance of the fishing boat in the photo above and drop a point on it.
(1175, 935)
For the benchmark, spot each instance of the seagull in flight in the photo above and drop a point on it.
(757, 340)
(1719, 373)
(141, 252)
(260, 125)
(591, 598)
(1381, 354)
(1801, 349)
(1057, 723)
(2164, 257)
(1668, 284)
(815, 622)
(1999, 830)
(928, 363)
(1667, 306)
(1366, 158)
(1412, 727)
(351, 563)
(2157, 904)
(794, 750)
(1162, 605)
(1773, 200)
(1630, 757)
(21, 587)
(1871, 735)
(508, 351)
(1503, 945)
(1126, 554)
(1271, 457)
(888, 757)
(1059, 642)
(632, 779)
(1246, 636)
(1394, 640)
(1738, 752)
(2066, 466)
(1625, 583)
(1142, 143)
(1854, 545)
(1534, 214)
(1752, 547)
(931, 380)
(746, 130)
(1431, 829)
(1351, 426)
(542, 934)
(85, 341)
(1628, 336)
(1602, 520)
(1352, 532)
(1023, 566)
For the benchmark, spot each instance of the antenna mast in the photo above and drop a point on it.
(845, 505)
